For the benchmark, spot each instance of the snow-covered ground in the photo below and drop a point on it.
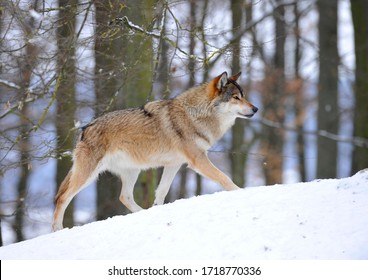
(323, 219)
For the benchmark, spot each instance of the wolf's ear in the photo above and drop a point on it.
(217, 84)
(235, 77)
(222, 81)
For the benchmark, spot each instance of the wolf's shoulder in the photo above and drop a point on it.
(156, 106)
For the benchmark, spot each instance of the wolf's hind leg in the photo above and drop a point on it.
(128, 179)
(165, 183)
(83, 172)
(78, 178)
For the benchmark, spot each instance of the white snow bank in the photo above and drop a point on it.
(325, 219)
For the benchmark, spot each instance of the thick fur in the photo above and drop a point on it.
(164, 133)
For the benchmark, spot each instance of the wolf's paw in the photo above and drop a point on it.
(56, 227)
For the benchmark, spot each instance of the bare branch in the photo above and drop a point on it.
(18, 105)
(356, 141)
(9, 84)
(124, 20)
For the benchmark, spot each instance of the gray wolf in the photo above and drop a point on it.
(165, 133)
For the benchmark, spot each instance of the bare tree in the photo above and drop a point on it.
(26, 62)
(328, 113)
(359, 10)
(273, 102)
(65, 95)
(237, 156)
(123, 78)
(297, 90)
(136, 90)
(191, 68)
(108, 72)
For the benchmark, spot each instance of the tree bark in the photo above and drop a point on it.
(138, 58)
(237, 155)
(27, 65)
(327, 116)
(109, 57)
(299, 96)
(123, 79)
(66, 106)
(359, 10)
(273, 100)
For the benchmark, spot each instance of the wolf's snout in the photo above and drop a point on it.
(254, 110)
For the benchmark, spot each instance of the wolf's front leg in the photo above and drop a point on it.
(201, 164)
(165, 183)
(128, 179)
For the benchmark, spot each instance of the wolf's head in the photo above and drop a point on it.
(230, 97)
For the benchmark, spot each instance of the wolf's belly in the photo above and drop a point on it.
(121, 160)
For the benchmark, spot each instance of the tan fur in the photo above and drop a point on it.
(164, 133)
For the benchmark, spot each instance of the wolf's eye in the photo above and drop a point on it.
(236, 97)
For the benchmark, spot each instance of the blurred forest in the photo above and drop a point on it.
(63, 63)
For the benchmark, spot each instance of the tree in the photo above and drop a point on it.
(65, 94)
(359, 10)
(26, 63)
(237, 155)
(328, 115)
(123, 78)
(297, 89)
(273, 101)
(26, 67)
(191, 83)
(108, 70)
(1, 235)
(139, 57)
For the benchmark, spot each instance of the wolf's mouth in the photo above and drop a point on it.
(254, 110)
(246, 116)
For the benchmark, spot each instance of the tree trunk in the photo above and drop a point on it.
(26, 67)
(1, 235)
(66, 106)
(328, 119)
(273, 99)
(162, 74)
(108, 57)
(299, 97)
(22, 184)
(191, 83)
(359, 10)
(237, 155)
(138, 59)
(123, 79)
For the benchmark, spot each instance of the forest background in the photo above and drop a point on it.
(63, 63)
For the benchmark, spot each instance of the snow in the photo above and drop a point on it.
(323, 219)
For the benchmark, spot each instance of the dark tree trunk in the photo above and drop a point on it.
(328, 117)
(299, 97)
(237, 155)
(26, 67)
(108, 56)
(274, 108)
(66, 106)
(359, 11)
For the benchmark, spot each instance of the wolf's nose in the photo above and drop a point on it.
(254, 109)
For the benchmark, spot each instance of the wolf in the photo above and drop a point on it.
(164, 133)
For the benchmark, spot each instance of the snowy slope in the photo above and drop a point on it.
(325, 219)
